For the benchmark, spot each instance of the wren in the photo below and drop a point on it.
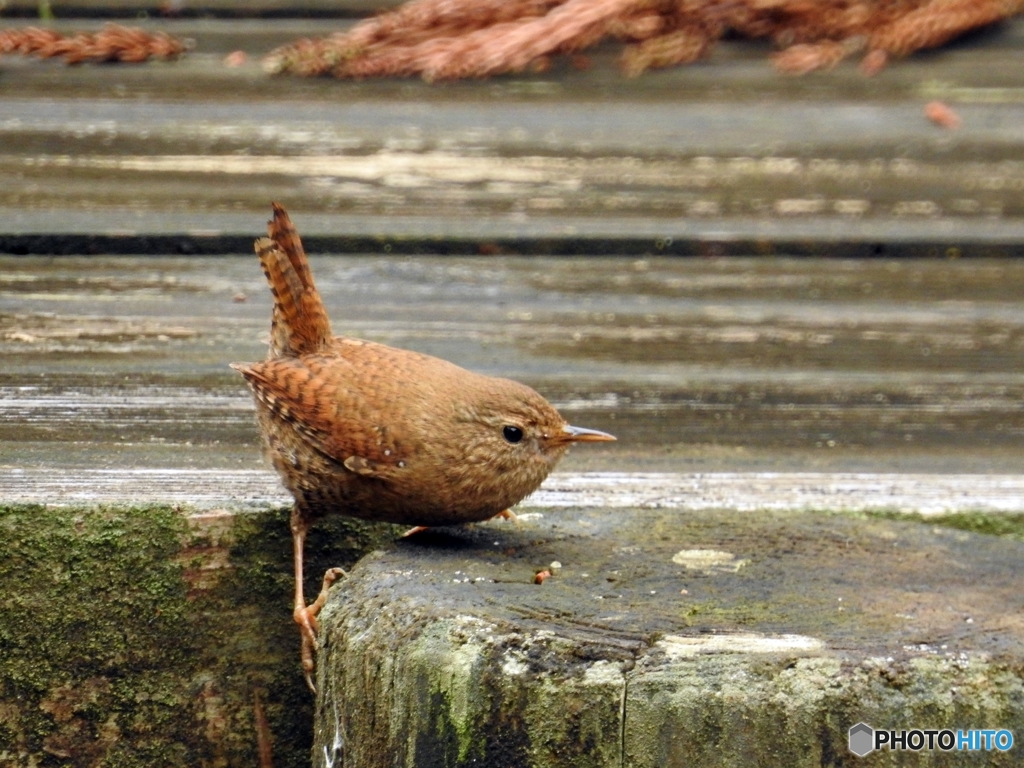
(363, 429)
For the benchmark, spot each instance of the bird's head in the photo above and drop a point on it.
(510, 435)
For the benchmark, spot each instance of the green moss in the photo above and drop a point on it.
(733, 710)
(263, 640)
(127, 643)
(95, 630)
(1006, 524)
(441, 743)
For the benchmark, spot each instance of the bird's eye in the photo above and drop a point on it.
(512, 434)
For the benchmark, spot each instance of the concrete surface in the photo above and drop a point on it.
(669, 638)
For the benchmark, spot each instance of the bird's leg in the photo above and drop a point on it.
(301, 616)
(509, 515)
(305, 615)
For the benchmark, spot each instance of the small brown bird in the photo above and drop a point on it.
(366, 430)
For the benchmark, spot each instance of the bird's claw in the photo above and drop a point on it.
(509, 515)
(305, 617)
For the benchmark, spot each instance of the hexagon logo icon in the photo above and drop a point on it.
(862, 739)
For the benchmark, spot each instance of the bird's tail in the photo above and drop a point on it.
(299, 324)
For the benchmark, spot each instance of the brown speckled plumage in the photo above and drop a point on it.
(366, 430)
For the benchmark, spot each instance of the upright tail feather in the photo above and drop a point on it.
(299, 323)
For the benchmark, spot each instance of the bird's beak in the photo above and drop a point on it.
(581, 435)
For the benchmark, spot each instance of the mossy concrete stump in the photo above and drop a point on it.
(673, 638)
(142, 635)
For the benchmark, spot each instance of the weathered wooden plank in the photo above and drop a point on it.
(713, 153)
(925, 494)
(745, 365)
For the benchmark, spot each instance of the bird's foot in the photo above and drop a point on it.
(305, 617)
(509, 515)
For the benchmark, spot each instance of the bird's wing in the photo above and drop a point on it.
(334, 419)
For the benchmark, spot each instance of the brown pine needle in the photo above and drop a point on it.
(445, 39)
(802, 58)
(112, 43)
(679, 47)
(938, 22)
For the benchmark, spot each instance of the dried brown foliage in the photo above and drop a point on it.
(802, 58)
(679, 47)
(444, 39)
(112, 43)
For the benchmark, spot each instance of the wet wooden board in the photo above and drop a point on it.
(712, 365)
(724, 156)
(239, 489)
